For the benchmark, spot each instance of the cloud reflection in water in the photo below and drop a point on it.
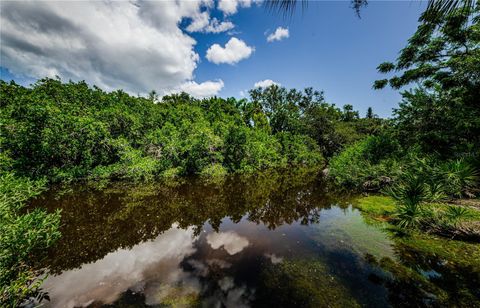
(154, 269)
(105, 280)
(231, 241)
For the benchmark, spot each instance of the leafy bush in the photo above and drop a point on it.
(214, 171)
(171, 173)
(261, 151)
(353, 168)
(454, 214)
(452, 178)
(377, 162)
(299, 149)
(412, 188)
(411, 192)
(21, 236)
(380, 147)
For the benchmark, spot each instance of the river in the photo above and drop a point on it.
(269, 240)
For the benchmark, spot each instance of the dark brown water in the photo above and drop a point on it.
(273, 240)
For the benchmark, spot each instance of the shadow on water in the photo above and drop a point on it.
(272, 239)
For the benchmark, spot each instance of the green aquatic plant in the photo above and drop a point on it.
(440, 271)
(459, 222)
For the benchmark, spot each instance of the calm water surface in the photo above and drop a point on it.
(272, 240)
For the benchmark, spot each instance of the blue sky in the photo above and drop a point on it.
(328, 48)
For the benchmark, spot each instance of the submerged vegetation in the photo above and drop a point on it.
(302, 283)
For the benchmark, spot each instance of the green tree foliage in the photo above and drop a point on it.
(440, 123)
(443, 115)
(68, 131)
(287, 7)
(443, 55)
(435, 8)
(444, 50)
(307, 113)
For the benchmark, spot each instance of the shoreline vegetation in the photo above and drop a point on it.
(416, 165)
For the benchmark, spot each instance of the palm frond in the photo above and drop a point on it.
(288, 7)
(441, 8)
(435, 9)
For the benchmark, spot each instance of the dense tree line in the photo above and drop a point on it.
(66, 131)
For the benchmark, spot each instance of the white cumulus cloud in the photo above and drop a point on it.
(203, 23)
(279, 34)
(265, 83)
(229, 7)
(134, 45)
(216, 26)
(234, 51)
(201, 90)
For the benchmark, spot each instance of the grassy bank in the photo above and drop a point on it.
(442, 219)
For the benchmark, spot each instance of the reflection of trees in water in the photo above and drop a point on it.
(96, 222)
